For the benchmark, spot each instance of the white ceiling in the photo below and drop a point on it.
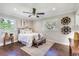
(61, 8)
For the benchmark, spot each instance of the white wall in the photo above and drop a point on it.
(24, 23)
(55, 35)
(77, 22)
(18, 24)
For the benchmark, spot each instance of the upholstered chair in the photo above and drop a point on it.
(76, 39)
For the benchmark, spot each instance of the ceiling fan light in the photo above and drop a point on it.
(53, 9)
(37, 16)
(15, 9)
(29, 15)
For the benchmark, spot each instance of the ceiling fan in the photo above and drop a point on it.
(34, 13)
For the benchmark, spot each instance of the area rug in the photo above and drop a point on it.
(40, 51)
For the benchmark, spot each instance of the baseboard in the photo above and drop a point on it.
(59, 42)
(62, 43)
(1, 44)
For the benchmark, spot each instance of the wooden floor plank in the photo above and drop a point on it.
(14, 50)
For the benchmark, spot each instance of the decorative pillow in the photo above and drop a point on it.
(36, 36)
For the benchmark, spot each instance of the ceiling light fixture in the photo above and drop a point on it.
(15, 9)
(53, 9)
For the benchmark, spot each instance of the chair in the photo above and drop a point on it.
(8, 38)
(74, 50)
(76, 39)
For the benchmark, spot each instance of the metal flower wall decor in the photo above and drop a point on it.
(66, 30)
(65, 20)
(50, 26)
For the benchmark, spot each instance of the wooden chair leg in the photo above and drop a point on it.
(4, 43)
(12, 41)
(70, 51)
(70, 47)
(37, 45)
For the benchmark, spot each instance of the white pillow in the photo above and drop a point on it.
(36, 36)
(41, 35)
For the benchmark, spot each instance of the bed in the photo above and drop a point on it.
(26, 37)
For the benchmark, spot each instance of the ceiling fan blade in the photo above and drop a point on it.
(27, 12)
(40, 13)
(34, 11)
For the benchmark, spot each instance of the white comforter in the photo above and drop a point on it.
(27, 38)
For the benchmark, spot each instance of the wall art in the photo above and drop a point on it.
(66, 30)
(50, 25)
(65, 20)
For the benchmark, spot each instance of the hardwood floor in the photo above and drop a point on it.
(14, 50)
(58, 50)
